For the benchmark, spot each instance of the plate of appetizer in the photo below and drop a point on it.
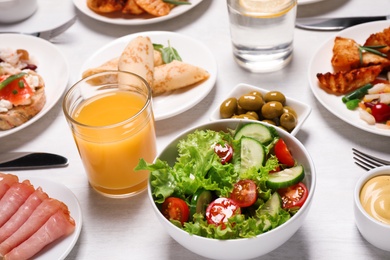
(347, 67)
(131, 13)
(29, 86)
(53, 202)
(177, 85)
(290, 118)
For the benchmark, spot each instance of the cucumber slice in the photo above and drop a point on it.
(272, 206)
(286, 178)
(199, 202)
(252, 153)
(257, 131)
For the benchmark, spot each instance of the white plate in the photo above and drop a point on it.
(52, 66)
(303, 110)
(136, 19)
(321, 63)
(61, 248)
(191, 51)
(304, 2)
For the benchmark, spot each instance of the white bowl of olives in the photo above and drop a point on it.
(273, 107)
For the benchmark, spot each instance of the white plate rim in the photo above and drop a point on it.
(61, 248)
(302, 109)
(191, 51)
(53, 68)
(178, 10)
(321, 63)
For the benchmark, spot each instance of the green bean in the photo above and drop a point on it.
(352, 104)
(358, 93)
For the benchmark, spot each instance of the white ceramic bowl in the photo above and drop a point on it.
(374, 231)
(249, 247)
(12, 11)
(303, 110)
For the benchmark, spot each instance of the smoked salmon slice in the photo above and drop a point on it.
(15, 196)
(22, 214)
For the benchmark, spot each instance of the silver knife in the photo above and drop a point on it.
(31, 161)
(335, 24)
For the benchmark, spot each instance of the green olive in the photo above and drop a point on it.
(250, 102)
(256, 93)
(288, 109)
(272, 109)
(271, 122)
(275, 96)
(253, 114)
(240, 110)
(244, 116)
(288, 121)
(228, 108)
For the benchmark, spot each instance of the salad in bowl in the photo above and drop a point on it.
(231, 181)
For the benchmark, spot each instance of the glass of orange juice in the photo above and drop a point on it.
(111, 118)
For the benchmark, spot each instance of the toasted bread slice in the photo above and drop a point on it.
(22, 113)
(343, 82)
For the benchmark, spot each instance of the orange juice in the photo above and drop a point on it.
(114, 131)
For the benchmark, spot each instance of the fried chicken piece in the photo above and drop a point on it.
(131, 7)
(106, 6)
(346, 56)
(343, 82)
(380, 38)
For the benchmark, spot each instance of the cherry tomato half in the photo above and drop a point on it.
(283, 153)
(224, 152)
(175, 209)
(293, 196)
(220, 210)
(381, 112)
(244, 193)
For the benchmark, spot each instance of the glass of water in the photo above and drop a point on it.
(262, 33)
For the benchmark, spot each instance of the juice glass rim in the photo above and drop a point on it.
(74, 86)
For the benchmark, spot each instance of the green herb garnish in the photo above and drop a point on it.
(169, 53)
(176, 2)
(8, 80)
(372, 49)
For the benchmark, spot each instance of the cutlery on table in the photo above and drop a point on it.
(367, 161)
(31, 161)
(335, 24)
(50, 34)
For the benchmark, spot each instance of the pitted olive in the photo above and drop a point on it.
(288, 121)
(272, 109)
(271, 122)
(288, 109)
(240, 110)
(257, 93)
(244, 116)
(275, 96)
(228, 108)
(250, 102)
(253, 114)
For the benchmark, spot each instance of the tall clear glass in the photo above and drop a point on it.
(111, 118)
(262, 33)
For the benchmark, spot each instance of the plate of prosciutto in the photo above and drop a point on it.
(43, 221)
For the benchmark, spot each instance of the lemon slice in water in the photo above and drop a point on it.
(266, 8)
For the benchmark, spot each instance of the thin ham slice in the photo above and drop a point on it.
(6, 181)
(39, 216)
(15, 196)
(60, 224)
(22, 214)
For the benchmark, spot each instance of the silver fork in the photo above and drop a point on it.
(50, 34)
(366, 161)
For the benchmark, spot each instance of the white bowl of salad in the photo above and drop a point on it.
(232, 188)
